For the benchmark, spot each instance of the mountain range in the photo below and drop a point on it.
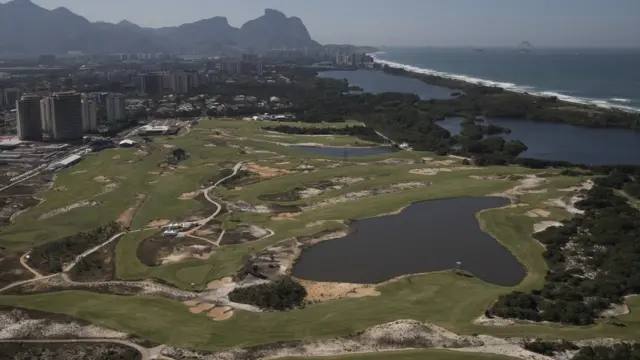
(30, 29)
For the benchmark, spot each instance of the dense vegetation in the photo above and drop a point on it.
(594, 261)
(353, 130)
(549, 348)
(281, 294)
(616, 352)
(52, 257)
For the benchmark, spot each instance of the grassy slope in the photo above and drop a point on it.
(442, 298)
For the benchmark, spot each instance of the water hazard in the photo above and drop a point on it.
(425, 237)
(379, 82)
(344, 151)
(555, 141)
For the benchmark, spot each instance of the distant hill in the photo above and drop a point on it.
(35, 30)
(525, 47)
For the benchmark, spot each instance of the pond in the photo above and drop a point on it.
(348, 152)
(425, 237)
(378, 82)
(556, 141)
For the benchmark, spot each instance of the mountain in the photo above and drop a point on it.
(35, 30)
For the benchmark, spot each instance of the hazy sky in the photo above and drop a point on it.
(579, 23)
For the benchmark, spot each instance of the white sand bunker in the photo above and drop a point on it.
(435, 171)
(325, 291)
(537, 213)
(587, 185)
(217, 284)
(189, 196)
(431, 161)
(544, 225)
(568, 204)
(220, 313)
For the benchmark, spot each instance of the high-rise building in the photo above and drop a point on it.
(231, 67)
(153, 84)
(29, 120)
(180, 83)
(47, 115)
(2, 103)
(138, 83)
(259, 68)
(66, 124)
(116, 108)
(167, 83)
(11, 95)
(89, 115)
(194, 79)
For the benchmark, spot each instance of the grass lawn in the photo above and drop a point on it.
(429, 354)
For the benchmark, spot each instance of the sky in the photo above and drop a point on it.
(544, 23)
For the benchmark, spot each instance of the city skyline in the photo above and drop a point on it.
(545, 23)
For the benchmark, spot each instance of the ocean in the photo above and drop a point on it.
(603, 77)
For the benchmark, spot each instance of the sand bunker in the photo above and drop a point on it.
(78, 172)
(191, 303)
(567, 204)
(428, 160)
(127, 216)
(217, 284)
(537, 213)
(587, 185)
(285, 216)
(158, 223)
(264, 171)
(324, 291)
(84, 203)
(189, 196)
(524, 186)
(435, 171)
(102, 179)
(221, 313)
(544, 225)
(201, 308)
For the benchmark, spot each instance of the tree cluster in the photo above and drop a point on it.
(550, 348)
(52, 257)
(593, 260)
(281, 294)
(615, 352)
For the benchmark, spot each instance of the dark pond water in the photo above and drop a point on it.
(379, 82)
(553, 141)
(425, 237)
(344, 151)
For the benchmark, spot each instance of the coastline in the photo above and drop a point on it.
(510, 87)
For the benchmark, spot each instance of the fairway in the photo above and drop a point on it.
(285, 195)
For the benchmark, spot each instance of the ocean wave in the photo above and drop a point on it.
(612, 103)
(620, 100)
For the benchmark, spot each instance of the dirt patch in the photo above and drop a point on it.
(587, 185)
(525, 186)
(535, 213)
(243, 206)
(160, 250)
(158, 223)
(242, 234)
(324, 291)
(544, 225)
(201, 308)
(78, 172)
(217, 284)
(210, 230)
(102, 179)
(264, 171)
(285, 216)
(221, 313)
(431, 161)
(117, 157)
(435, 171)
(189, 196)
(126, 217)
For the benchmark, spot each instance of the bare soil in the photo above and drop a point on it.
(158, 250)
(264, 171)
(210, 230)
(158, 223)
(324, 291)
(127, 216)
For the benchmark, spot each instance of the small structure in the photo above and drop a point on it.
(127, 143)
(68, 161)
